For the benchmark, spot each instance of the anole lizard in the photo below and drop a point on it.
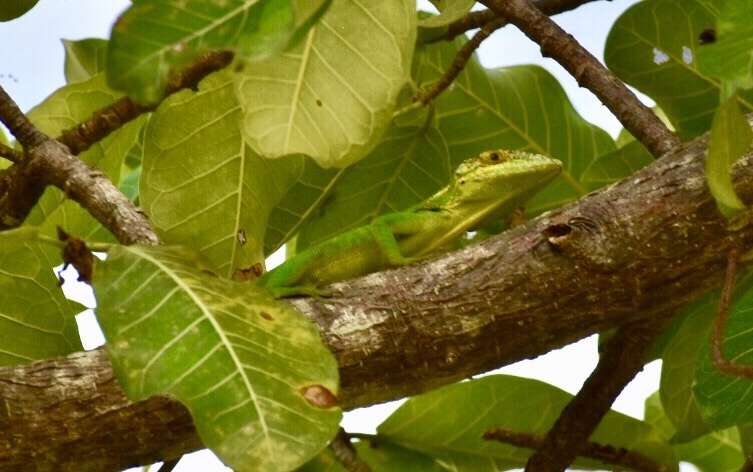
(484, 189)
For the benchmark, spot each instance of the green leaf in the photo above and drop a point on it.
(679, 364)
(618, 164)
(654, 47)
(65, 108)
(332, 96)
(84, 58)
(147, 45)
(730, 57)
(730, 139)
(243, 363)
(726, 400)
(10, 9)
(201, 186)
(448, 424)
(719, 451)
(36, 320)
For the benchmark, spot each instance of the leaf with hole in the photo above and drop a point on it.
(654, 46)
(730, 56)
(260, 384)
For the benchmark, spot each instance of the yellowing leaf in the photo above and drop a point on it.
(332, 96)
(254, 373)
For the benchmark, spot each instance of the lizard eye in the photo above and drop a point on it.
(494, 157)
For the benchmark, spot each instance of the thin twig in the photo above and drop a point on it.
(623, 357)
(602, 452)
(636, 117)
(114, 116)
(461, 59)
(720, 323)
(346, 454)
(10, 154)
(477, 19)
(747, 465)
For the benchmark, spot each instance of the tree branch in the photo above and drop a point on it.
(639, 249)
(477, 19)
(346, 454)
(601, 452)
(49, 162)
(557, 44)
(623, 357)
(114, 116)
(22, 184)
(459, 62)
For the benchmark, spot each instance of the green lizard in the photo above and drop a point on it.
(484, 189)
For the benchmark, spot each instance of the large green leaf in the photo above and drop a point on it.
(730, 57)
(151, 40)
(726, 400)
(36, 321)
(521, 107)
(202, 186)
(719, 451)
(730, 139)
(332, 96)
(654, 47)
(449, 423)
(255, 374)
(84, 58)
(65, 108)
(10, 9)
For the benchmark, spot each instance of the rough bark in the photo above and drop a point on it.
(640, 248)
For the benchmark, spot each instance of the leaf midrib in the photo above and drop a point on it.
(220, 332)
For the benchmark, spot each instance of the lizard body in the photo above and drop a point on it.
(484, 189)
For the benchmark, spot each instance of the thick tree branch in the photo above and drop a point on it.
(477, 19)
(557, 44)
(49, 162)
(623, 357)
(636, 250)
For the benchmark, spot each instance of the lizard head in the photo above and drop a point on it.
(503, 174)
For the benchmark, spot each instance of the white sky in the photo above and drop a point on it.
(31, 67)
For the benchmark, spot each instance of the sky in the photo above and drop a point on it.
(31, 67)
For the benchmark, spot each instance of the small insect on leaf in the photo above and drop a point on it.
(77, 254)
(319, 396)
